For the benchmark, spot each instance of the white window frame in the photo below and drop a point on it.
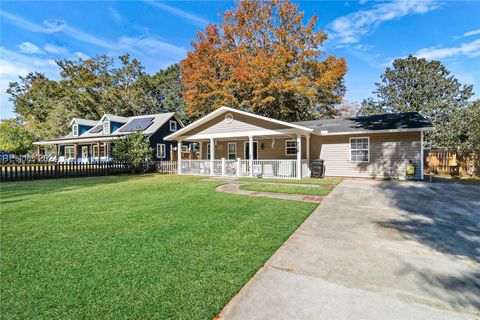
(286, 148)
(95, 151)
(367, 149)
(174, 125)
(163, 151)
(75, 130)
(71, 152)
(228, 151)
(106, 124)
(208, 151)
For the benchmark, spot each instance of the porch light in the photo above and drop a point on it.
(262, 146)
(273, 143)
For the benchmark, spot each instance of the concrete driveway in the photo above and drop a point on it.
(375, 250)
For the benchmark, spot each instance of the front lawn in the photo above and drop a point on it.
(133, 247)
(322, 181)
(291, 189)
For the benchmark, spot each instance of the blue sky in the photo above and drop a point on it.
(368, 34)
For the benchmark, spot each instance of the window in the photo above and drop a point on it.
(360, 149)
(95, 151)
(75, 130)
(161, 151)
(69, 153)
(173, 125)
(106, 127)
(232, 150)
(208, 151)
(290, 147)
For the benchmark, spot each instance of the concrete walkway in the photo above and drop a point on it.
(375, 250)
(234, 187)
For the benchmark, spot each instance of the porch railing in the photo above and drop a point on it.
(284, 169)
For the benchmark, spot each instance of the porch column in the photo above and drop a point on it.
(179, 156)
(299, 156)
(307, 138)
(98, 151)
(38, 151)
(56, 152)
(75, 152)
(200, 156)
(212, 155)
(250, 151)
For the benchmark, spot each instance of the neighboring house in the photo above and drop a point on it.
(238, 143)
(91, 141)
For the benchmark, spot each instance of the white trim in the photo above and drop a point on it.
(164, 151)
(245, 149)
(228, 150)
(323, 133)
(170, 124)
(296, 147)
(221, 110)
(75, 126)
(421, 155)
(239, 134)
(350, 149)
(106, 124)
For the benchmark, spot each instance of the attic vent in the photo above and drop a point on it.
(228, 118)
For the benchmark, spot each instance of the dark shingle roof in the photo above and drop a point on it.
(392, 121)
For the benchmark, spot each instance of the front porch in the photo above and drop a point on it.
(283, 156)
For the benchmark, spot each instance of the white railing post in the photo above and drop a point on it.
(223, 166)
(250, 151)
(299, 156)
(212, 156)
(179, 155)
(239, 167)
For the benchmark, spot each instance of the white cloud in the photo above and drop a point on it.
(363, 47)
(14, 64)
(194, 19)
(56, 50)
(470, 49)
(54, 25)
(30, 48)
(115, 15)
(468, 34)
(350, 28)
(81, 55)
(151, 45)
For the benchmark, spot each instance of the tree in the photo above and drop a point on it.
(263, 59)
(427, 87)
(348, 109)
(88, 88)
(166, 89)
(14, 137)
(134, 149)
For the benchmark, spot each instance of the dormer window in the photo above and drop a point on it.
(173, 125)
(75, 130)
(106, 127)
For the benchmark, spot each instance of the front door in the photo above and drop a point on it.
(84, 153)
(255, 150)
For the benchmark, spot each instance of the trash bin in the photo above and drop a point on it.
(316, 168)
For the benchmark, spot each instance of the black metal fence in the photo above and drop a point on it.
(37, 171)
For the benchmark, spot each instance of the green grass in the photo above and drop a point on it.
(133, 247)
(279, 188)
(323, 181)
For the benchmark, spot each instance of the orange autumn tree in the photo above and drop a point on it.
(262, 58)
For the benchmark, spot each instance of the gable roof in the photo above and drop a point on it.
(408, 121)
(84, 122)
(114, 118)
(222, 110)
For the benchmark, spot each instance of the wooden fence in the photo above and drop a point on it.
(37, 171)
(445, 162)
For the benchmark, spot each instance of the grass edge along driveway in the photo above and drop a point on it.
(149, 246)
